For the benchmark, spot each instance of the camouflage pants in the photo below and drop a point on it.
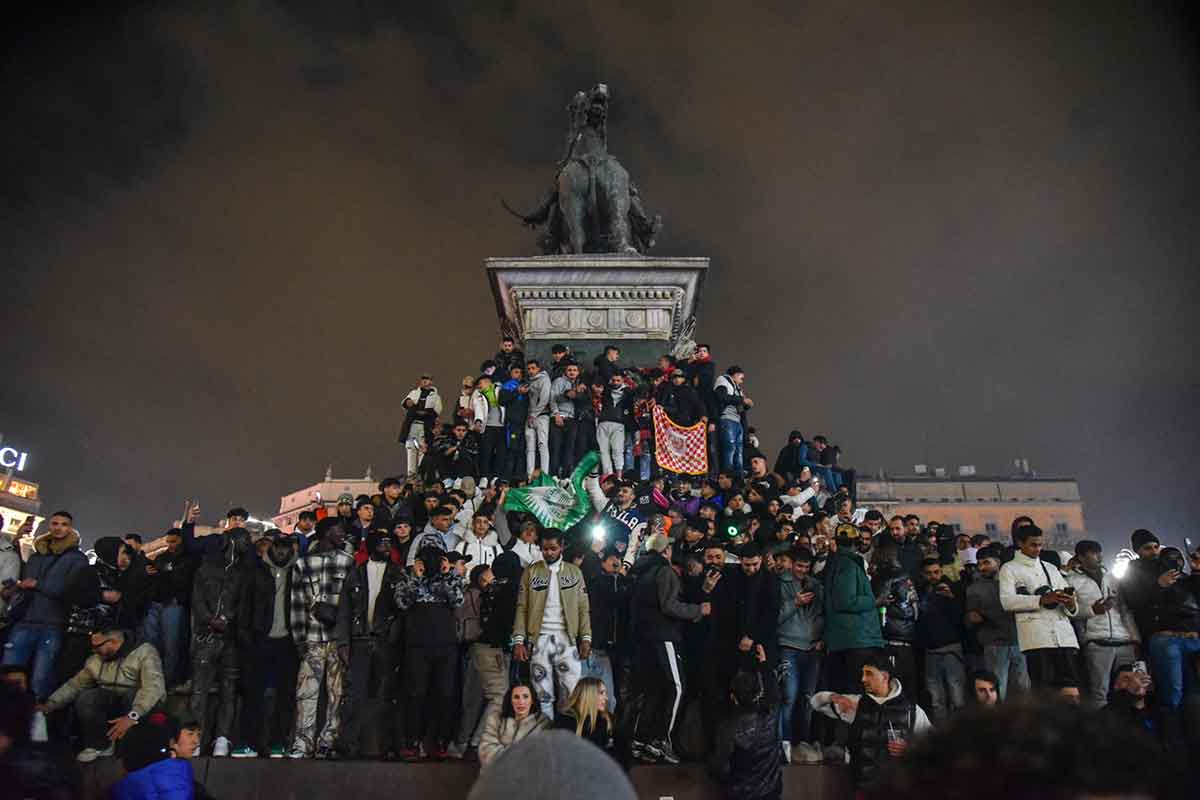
(318, 664)
(555, 661)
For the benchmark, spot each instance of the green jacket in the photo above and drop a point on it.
(851, 619)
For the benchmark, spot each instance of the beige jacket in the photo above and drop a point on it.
(531, 602)
(136, 672)
(501, 733)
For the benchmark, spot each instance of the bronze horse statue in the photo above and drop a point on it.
(593, 206)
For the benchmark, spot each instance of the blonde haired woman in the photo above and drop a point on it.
(518, 718)
(586, 714)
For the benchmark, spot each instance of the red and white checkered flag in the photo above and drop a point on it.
(679, 449)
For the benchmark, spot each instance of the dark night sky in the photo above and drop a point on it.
(953, 233)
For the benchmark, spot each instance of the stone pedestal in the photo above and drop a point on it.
(641, 304)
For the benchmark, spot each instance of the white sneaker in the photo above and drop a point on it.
(787, 752)
(220, 747)
(89, 754)
(296, 752)
(806, 753)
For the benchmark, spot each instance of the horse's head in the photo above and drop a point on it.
(597, 106)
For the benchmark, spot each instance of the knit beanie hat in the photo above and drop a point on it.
(562, 760)
(1142, 537)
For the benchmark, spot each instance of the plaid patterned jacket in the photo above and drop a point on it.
(317, 577)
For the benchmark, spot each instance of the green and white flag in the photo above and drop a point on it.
(556, 504)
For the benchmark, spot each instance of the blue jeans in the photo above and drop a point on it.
(599, 665)
(732, 446)
(629, 437)
(166, 629)
(644, 462)
(828, 477)
(802, 669)
(1168, 654)
(33, 642)
(1007, 662)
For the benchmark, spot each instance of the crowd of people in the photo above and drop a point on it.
(748, 616)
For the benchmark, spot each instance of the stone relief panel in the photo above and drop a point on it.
(599, 312)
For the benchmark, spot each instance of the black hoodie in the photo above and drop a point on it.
(498, 611)
(656, 610)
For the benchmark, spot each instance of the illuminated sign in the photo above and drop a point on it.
(12, 458)
(11, 520)
(22, 489)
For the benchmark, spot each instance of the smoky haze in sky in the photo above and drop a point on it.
(952, 234)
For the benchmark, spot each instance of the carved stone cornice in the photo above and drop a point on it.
(591, 297)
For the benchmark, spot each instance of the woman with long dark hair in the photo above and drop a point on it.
(519, 717)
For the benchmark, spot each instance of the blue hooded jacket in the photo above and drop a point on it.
(169, 779)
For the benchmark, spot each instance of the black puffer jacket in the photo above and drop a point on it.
(869, 734)
(216, 592)
(608, 601)
(747, 759)
(901, 611)
(498, 609)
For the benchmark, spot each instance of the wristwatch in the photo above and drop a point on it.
(133, 715)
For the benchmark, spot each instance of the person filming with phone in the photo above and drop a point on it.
(1166, 603)
(1043, 602)
(1108, 630)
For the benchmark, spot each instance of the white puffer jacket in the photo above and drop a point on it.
(1037, 627)
(1114, 625)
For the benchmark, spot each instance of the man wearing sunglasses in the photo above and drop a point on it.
(119, 684)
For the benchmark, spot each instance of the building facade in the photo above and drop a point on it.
(983, 504)
(320, 498)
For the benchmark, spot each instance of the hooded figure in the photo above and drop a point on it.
(498, 624)
(216, 596)
(94, 585)
(429, 598)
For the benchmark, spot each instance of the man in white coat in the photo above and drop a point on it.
(1043, 603)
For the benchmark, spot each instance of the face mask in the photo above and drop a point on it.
(280, 553)
(381, 555)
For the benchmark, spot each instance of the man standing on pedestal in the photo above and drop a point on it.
(554, 618)
(564, 426)
(732, 404)
(616, 412)
(422, 407)
(514, 399)
(701, 374)
(537, 426)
